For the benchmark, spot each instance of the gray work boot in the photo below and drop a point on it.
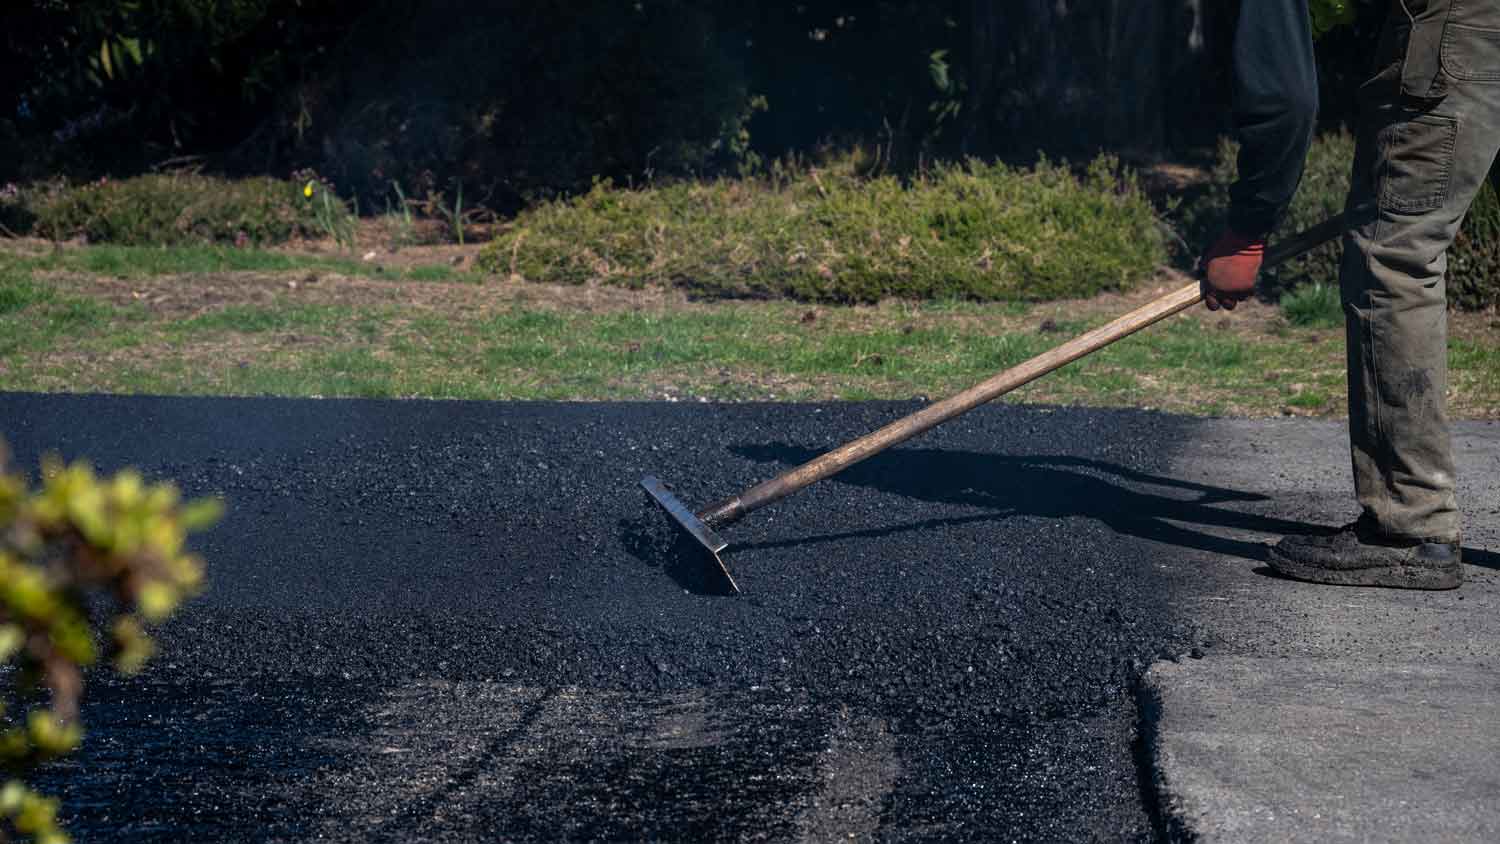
(1354, 557)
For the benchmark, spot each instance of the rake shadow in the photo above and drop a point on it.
(1130, 502)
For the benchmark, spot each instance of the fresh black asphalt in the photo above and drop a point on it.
(454, 622)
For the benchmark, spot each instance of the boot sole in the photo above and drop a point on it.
(1391, 577)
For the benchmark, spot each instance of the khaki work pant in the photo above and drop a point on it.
(1429, 131)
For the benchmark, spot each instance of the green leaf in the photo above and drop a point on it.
(202, 513)
(156, 601)
(1328, 14)
(937, 66)
(11, 796)
(133, 47)
(11, 640)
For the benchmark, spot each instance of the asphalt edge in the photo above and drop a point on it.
(1168, 824)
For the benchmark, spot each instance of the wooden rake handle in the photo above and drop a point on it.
(735, 507)
(929, 417)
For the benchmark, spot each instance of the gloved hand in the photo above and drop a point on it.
(1229, 268)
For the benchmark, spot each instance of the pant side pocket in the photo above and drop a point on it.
(1416, 163)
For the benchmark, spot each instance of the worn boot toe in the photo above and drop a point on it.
(1350, 557)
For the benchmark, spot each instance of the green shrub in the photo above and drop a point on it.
(975, 231)
(1313, 305)
(1324, 188)
(331, 215)
(86, 563)
(177, 209)
(1473, 261)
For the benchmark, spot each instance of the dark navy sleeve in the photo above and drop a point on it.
(1275, 110)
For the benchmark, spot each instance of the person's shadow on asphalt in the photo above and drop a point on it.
(1129, 502)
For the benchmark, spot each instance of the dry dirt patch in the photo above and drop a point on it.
(188, 295)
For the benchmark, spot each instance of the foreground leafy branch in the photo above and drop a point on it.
(86, 563)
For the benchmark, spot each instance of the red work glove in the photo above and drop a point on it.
(1229, 269)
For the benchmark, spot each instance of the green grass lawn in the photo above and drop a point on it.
(222, 322)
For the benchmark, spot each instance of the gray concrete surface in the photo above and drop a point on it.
(1317, 750)
(1323, 713)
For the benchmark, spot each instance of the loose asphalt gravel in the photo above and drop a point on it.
(454, 622)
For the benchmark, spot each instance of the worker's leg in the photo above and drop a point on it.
(1423, 160)
(1429, 131)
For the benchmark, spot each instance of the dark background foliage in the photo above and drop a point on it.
(519, 100)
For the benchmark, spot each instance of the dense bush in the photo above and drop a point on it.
(85, 564)
(976, 231)
(179, 208)
(1324, 188)
(1473, 261)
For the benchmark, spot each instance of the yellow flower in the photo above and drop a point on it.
(307, 190)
